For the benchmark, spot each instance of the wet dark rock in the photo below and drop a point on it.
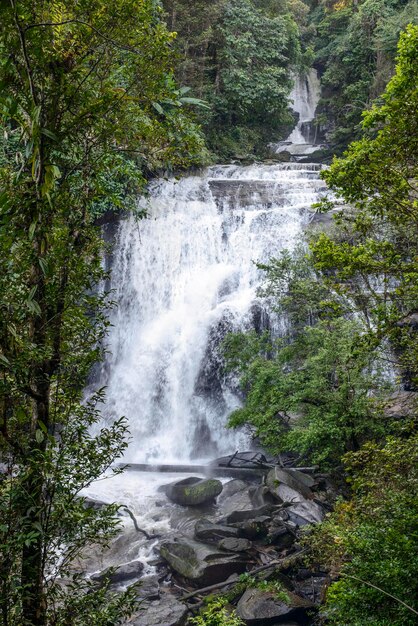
(96, 505)
(312, 588)
(256, 528)
(264, 608)
(193, 491)
(247, 514)
(279, 478)
(148, 588)
(167, 611)
(306, 512)
(232, 544)
(209, 532)
(261, 496)
(123, 573)
(260, 318)
(280, 536)
(201, 563)
(231, 488)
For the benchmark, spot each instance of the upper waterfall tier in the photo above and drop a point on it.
(304, 99)
(184, 277)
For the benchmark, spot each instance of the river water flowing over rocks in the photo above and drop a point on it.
(183, 277)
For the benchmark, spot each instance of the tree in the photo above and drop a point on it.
(88, 108)
(374, 254)
(368, 543)
(238, 55)
(316, 390)
(352, 301)
(355, 52)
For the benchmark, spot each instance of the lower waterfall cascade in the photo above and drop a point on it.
(183, 277)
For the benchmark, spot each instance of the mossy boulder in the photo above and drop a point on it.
(193, 491)
(262, 608)
(203, 564)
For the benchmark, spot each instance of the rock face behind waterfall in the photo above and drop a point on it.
(183, 278)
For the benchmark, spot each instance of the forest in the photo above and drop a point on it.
(97, 101)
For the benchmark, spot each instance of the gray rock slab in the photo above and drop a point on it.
(238, 501)
(263, 608)
(306, 512)
(207, 531)
(247, 514)
(279, 478)
(231, 544)
(124, 572)
(167, 611)
(148, 588)
(203, 564)
(231, 488)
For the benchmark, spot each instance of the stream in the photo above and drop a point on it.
(184, 277)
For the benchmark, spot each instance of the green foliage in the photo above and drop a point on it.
(373, 260)
(355, 50)
(88, 108)
(315, 393)
(238, 55)
(321, 390)
(216, 614)
(271, 586)
(373, 539)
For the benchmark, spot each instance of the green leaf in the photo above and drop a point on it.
(39, 436)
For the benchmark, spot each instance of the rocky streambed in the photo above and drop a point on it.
(202, 535)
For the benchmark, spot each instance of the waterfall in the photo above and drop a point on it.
(183, 277)
(304, 97)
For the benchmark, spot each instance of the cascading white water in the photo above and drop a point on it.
(183, 277)
(305, 97)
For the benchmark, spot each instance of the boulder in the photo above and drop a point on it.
(231, 544)
(280, 536)
(148, 588)
(302, 477)
(263, 608)
(260, 495)
(247, 514)
(294, 480)
(121, 574)
(96, 505)
(312, 588)
(231, 488)
(201, 563)
(255, 528)
(238, 501)
(193, 491)
(306, 512)
(209, 532)
(167, 611)
(241, 459)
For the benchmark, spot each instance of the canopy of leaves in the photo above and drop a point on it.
(238, 55)
(370, 543)
(355, 45)
(88, 108)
